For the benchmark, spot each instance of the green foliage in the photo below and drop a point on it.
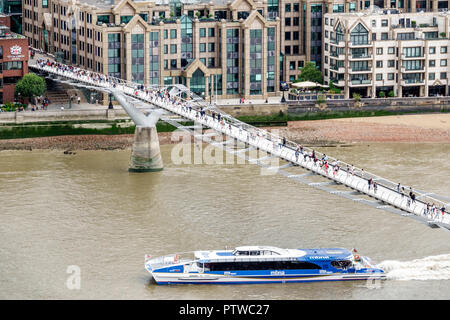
(9, 106)
(357, 97)
(31, 85)
(321, 99)
(310, 73)
(443, 34)
(381, 94)
(391, 94)
(333, 89)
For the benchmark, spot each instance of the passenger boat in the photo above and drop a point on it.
(262, 264)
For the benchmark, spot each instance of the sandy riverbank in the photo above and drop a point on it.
(399, 128)
(432, 128)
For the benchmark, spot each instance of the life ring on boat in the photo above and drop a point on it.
(176, 258)
(356, 257)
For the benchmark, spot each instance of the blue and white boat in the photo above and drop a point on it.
(262, 264)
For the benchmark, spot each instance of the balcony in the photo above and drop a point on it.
(338, 83)
(360, 44)
(405, 57)
(405, 70)
(360, 83)
(337, 55)
(361, 70)
(337, 69)
(360, 57)
(412, 82)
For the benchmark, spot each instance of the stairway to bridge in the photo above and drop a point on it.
(242, 140)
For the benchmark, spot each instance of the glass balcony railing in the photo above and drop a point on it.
(361, 56)
(362, 81)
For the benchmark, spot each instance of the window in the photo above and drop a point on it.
(211, 47)
(287, 36)
(173, 63)
(173, 33)
(443, 49)
(44, 3)
(391, 63)
(379, 64)
(431, 76)
(260, 265)
(443, 62)
(432, 50)
(125, 19)
(432, 63)
(379, 76)
(202, 32)
(287, 7)
(412, 52)
(391, 50)
(287, 49)
(359, 35)
(202, 47)
(390, 76)
(443, 75)
(287, 22)
(379, 51)
(211, 32)
(173, 48)
(384, 23)
(12, 65)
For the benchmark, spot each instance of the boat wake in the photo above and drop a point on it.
(429, 268)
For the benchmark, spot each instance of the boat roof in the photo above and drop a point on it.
(258, 253)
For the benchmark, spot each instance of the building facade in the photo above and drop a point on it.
(13, 62)
(387, 53)
(218, 48)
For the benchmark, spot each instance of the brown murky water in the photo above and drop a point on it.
(86, 210)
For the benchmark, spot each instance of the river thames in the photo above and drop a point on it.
(86, 212)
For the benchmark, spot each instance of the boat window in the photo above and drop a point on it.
(341, 264)
(261, 265)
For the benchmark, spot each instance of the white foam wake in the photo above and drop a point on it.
(429, 268)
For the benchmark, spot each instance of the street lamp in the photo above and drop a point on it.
(284, 87)
(110, 102)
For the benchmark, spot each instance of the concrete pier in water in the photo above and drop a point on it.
(145, 152)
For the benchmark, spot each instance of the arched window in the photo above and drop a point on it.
(359, 35)
(339, 33)
(197, 84)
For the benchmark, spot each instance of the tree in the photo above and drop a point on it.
(31, 85)
(310, 73)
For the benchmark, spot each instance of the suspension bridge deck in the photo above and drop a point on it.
(386, 196)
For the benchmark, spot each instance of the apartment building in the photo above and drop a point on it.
(405, 54)
(218, 48)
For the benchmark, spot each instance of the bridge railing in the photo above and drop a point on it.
(141, 91)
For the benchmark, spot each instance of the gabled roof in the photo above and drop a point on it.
(136, 20)
(255, 15)
(193, 66)
(121, 4)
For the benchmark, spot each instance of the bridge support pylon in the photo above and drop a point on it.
(145, 152)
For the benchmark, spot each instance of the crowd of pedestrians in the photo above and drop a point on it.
(162, 96)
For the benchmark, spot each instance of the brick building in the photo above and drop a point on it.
(14, 56)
